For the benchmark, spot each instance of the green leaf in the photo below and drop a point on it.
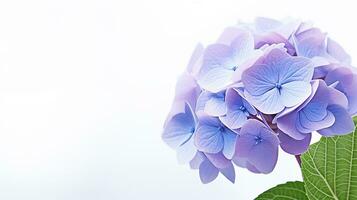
(329, 168)
(287, 191)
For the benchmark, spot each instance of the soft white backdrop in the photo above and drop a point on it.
(85, 87)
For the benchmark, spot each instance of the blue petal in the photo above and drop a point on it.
(315, 111)
(294, 69)
(179, 128)
(307, 126)
(229, 144)
(259, 79)
(249, 108)
(207, 172)
(343, 124)
(209, 139)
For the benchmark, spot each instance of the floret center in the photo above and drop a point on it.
(258, 139)
(242, 108)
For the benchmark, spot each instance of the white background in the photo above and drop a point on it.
(85, 87)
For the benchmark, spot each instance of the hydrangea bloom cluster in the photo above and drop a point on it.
(260, 86)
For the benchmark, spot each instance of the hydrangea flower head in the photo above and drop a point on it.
(261, 86)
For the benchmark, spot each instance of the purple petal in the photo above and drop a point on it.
(264, 157)
(287, 124)
(259, 145)
(207, 172)
(292, 146)
(346, 79)
(311, 43)
(274, 38)
(192, 64)
(229, 173)
(218, 160)
(306, 125)
(187, 90)
(336, 51)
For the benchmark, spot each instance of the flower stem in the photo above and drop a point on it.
(298, 159)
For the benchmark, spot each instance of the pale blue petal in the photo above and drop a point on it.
(229, 35)
(294, 93)
(197, 160)
(234, 119)
(187, 90)
(263, 24)
(201, 102)
(294, 69)
(243, 47)
(215, 56)
(268, 103)
(186, 152)
(215, 106)
(336, 51)
(197, 53)
(216, 79)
